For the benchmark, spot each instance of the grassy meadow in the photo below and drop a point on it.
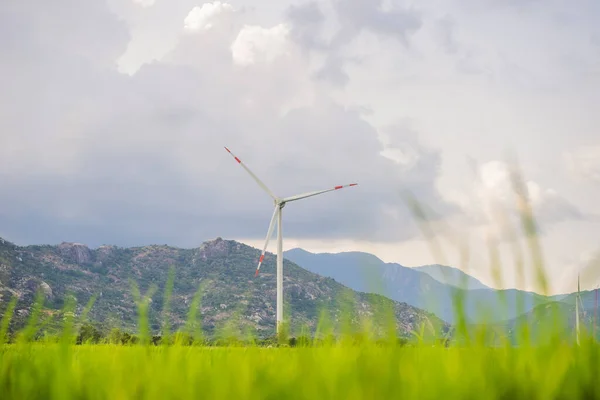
(52, 371)
(472, 362)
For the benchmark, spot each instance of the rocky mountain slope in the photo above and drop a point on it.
(231, 295)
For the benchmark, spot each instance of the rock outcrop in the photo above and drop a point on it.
(75, 252)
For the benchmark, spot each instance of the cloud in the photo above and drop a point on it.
(552, 206)
(355, 17)
(445, 33)
(586, 266)
(493, 202)
(306, 22)
(40, 27)
(584, 163)
(255, 43)
(144, 3)
(203, 17)
(112, 158)
(88, 154)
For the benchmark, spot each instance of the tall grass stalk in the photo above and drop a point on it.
(166, 327)
(6, 318)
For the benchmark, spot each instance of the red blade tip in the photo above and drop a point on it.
(256, 274)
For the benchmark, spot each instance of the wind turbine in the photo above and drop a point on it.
(578, 301)
(277, 215)
(577, 312)
(596, 313)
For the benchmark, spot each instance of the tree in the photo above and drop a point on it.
(88, 333)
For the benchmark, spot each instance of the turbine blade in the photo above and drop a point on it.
(269, 234)
(310, 194)
(260, 183)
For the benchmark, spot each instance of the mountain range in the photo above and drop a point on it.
(433, 288)
(232, 298)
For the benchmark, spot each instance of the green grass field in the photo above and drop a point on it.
(476, 363)
(53, 371)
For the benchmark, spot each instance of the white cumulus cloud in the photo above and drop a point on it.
(255, 43)
(493, 204)
(204, 17)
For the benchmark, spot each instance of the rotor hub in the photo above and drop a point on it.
(279, 202)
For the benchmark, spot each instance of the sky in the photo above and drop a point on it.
(115, 115)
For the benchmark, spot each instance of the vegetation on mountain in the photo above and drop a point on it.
(218, 276)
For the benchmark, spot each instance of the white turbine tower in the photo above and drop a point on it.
(578, 302)
(279, 204)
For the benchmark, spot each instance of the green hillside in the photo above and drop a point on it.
(224, 269)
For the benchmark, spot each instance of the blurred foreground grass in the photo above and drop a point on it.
(53, 371)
